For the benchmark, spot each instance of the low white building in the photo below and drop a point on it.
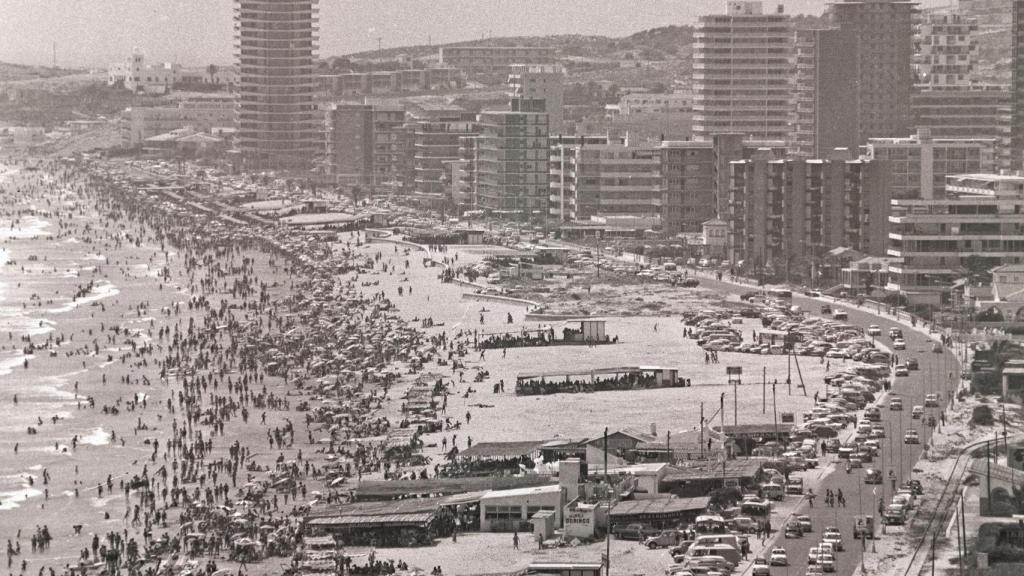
(650, 103)
(136, 76)
(509, 510)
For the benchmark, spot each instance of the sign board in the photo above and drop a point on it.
(787, 417)
(734, 370)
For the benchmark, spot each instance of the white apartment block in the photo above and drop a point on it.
(742, 73)
(919, 164)
(979, 222)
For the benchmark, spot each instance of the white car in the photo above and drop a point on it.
(899, 344)
(778, 557)
(874, 330)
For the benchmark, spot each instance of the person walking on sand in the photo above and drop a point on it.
(515, 540)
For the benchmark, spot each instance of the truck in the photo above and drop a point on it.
(863, 527)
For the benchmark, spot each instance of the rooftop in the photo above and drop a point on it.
(660, 506)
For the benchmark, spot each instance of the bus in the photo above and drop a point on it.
(780, 293)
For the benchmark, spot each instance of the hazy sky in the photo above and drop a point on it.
(197, 32)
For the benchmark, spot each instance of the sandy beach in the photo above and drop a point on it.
(93, 295)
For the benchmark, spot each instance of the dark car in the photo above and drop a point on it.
(872, 476)
(915, 486)
(912, 364)
(690, 283)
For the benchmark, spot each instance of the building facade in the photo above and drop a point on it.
(540, 82)
(437, 133)
(695, 178)
(493, 59)
(278, 124)
(367, 145)
(651, 103)
(389, 82)
(562, 166)
(785, 215)
(610, 179)
(919, 164)
(824, 106)
(512, 163)
(977, 225)
(1016, 152)
(202, 114)
(946, 50)
(134, 75)
(974, 111)
(884, 36)
(741, 73)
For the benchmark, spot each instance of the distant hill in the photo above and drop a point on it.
(14, 72)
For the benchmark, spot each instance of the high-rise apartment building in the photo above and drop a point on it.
(437, 131)
(275, 42)
(824, 107)
(884, 35)
(367, 144)
(512, 163)
(741, 73)
(786, 214)
(919, 164)
(1016, 160)
(608, 179)
(961, 111)
(695, 178)
(946, 50)
(540, 83)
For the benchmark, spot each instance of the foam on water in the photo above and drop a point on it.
(102, 290)
(9, 363)
(29, 227)
(14, 498)
(97, 437)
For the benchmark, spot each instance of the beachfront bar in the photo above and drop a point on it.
(597, 380)
(586, 331)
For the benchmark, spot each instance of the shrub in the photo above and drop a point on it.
(982, 416)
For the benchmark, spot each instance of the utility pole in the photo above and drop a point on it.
(608, 536)
(988, 472)
(764, 389)
(668, 447)
(702, 430)
(721, 412)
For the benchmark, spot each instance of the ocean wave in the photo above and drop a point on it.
(13, 499)
(100, 291)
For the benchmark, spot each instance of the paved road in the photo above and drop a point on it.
(938, 374)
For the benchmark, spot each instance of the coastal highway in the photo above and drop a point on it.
(938, 373)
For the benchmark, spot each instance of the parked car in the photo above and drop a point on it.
(899, 344)
(896, 404)
(634, 531)
(833, 537)
(805, 523)
(690, 283)
(931, 401)
(901, 370)
(911, 437)
(913, 364)
(874, 330)
(666, 539)
(872, 476)
(917, 412)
